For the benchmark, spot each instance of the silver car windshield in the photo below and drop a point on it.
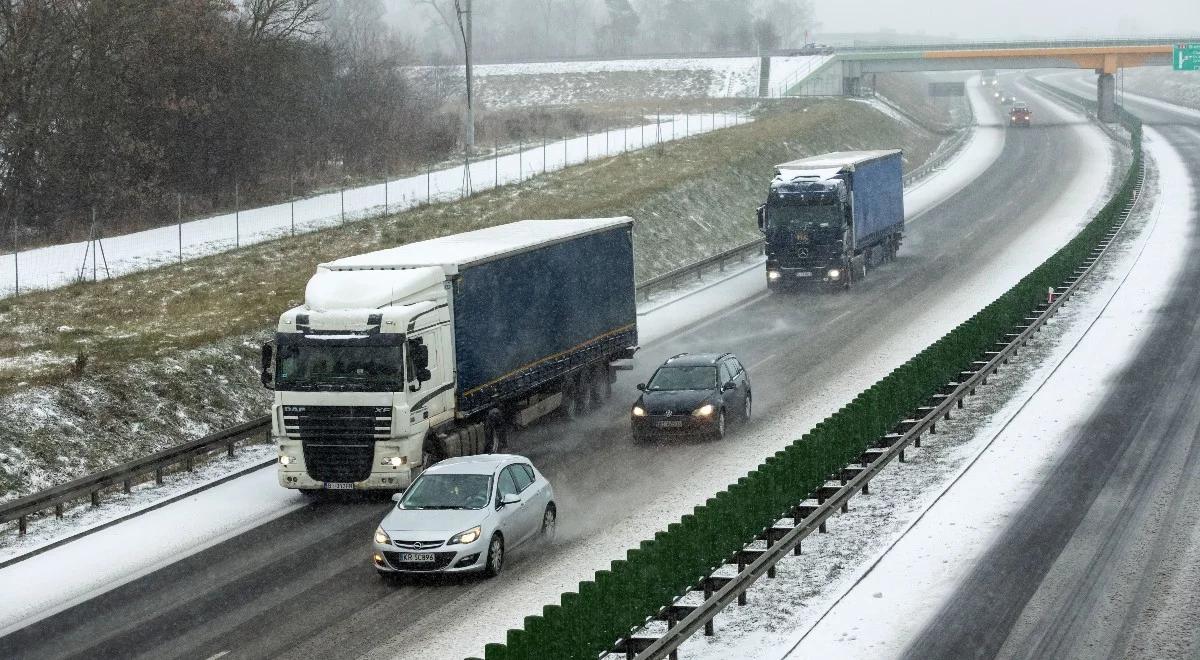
(448, 491)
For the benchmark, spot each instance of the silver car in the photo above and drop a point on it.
(464, 514)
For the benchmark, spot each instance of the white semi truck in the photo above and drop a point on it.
(402, 357)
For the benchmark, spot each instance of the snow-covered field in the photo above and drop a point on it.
(59, 265)
(920, 567)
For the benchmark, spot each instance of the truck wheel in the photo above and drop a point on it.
(583, 395)
(432, 452)
(496, 440)
(600, 385)
(570, 401)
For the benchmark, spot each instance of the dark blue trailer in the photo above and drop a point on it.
(405, 356)
(829, 218)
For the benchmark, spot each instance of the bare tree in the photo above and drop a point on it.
(283, 19)
(447, 11)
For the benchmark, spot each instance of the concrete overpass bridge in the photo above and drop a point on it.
(1106, 57)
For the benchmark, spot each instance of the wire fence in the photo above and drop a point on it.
(103, 256)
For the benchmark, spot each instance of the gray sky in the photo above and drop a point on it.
(1012, 18)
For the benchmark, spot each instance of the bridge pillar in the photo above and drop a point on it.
(1106, 98)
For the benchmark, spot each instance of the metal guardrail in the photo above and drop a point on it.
(811, 515)
(671, 279)
(126, 474)
(1007, 45)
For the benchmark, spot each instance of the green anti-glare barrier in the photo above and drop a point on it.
(587, 623)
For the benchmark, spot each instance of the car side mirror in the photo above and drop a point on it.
(396, 497)
(641, 386)
(510, 498)
(268, 365)
(728, 386)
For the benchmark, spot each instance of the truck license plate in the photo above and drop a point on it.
(803, 274)
(332, 486)
(670, 425)
(417, 557)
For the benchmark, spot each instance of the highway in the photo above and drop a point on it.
(1104, 560)
(302, 586)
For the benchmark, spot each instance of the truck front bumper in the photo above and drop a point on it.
(393, 479)
(783, 277)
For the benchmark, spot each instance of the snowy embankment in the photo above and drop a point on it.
(572, 83)
(1098, 334)
(194, 523)
(58, 265)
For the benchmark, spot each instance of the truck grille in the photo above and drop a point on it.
(339, 441)
(322, 422)
(337, 461)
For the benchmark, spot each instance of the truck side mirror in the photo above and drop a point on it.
(762, 218)
(424, 375)
(268, 365)
(420, 356)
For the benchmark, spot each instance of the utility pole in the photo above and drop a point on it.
(466, 28)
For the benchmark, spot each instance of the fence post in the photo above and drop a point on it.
(587, 144)
(16, 260)
(566, 153)
(520, 160)
(292, 203)
(385, 191)
(607, 149)
(237, 216)
(179, 222)
(342, 197)
(428, 184)
(93, 243)
(496, 160)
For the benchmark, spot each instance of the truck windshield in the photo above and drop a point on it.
(340, 368)
(448, 491)
(683, 378)
(797, 217)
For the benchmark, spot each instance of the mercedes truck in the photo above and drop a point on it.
(406, 356)
(830, 218)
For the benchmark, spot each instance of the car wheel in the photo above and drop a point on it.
(549, 523)
(746, 405)
(495, 556)
(719, 432)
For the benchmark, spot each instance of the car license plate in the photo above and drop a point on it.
(417, 557)
(803, 274)
(332, 486)
(670, 425)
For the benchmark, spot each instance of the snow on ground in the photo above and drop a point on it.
(57, 265)
(920, 569)
(139, 546)
(565, 82)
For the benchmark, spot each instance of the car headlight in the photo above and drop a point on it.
(469, 536)
(639, 411)
(381, 537)
(286, 460)
(834, 273)
(704, 410)
(774, 275)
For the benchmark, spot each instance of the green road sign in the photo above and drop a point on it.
(1187, 57)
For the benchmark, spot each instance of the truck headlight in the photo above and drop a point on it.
(286, 460)
(704, 410)
(639, 411)
(464, 538)
(395, 461)
(381, 537)
(774, 275)
(834, 273)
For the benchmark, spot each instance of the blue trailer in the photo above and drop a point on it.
(828, 219)
(406, 356)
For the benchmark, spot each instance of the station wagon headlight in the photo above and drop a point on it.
(381, 537)
(469, 536)
(704, 410)
(639, 411)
